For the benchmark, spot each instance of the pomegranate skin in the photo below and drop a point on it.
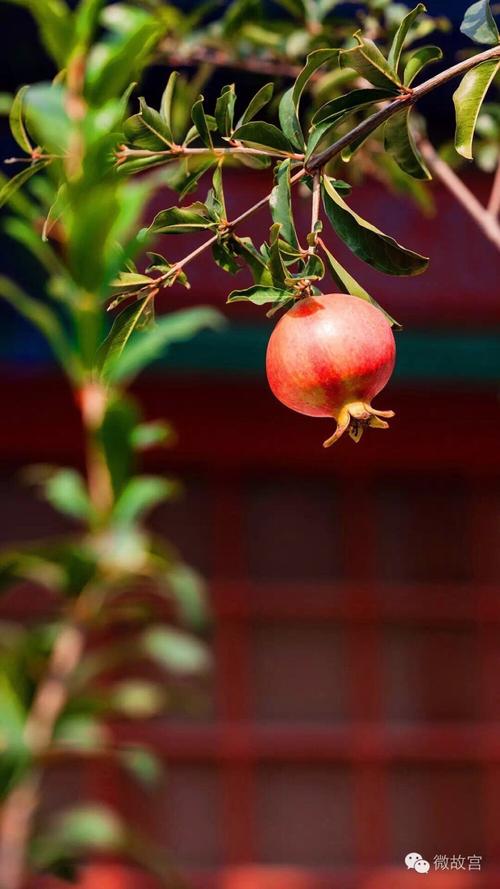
(328, 356)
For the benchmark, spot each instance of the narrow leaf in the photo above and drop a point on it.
(419, 60)
(401, 35)
(155, 123)
(368, 61)
(347, 284)
(261, 98)
(141, 494)
(263, 135)
(399, 142)
(150, 344)
(200, 121)
(259, 295)
(281, 204)
(11, 185)
(175, 650)
(468, 99)
(479, 24)
(224, 110)
(289, 120)
(133, 318)
(166, 101)
(178, 220)
(16, 121)
(314, 61)
(351, 102)
(367, 242)
(66, 492)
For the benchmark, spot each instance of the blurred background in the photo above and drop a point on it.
(353, 715)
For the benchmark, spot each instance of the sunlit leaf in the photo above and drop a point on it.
(368, 61)
(468, 99)
(166, 102)
(259, 295)
(479, 24)
(16, 121)
(418, 60)
(179, 220)
(65, 491)
(401, 35)
(141, 494)
(176, 651)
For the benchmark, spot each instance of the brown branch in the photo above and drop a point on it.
(494, 201)
(178, 151)
(486, 221)
(48, 703)
(405, 100)
(221, 59)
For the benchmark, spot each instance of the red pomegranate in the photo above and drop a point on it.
(328, 356)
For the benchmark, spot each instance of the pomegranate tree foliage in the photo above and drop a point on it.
(337, 85)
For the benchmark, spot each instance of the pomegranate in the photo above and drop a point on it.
(328, 356)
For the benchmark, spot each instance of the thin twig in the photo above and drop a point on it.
(178, 151)
(486, 221)
(221, 59)
(405, 100)
(494, 201)
(316, 194)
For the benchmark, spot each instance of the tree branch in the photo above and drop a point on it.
(486, 221)
(494, 201)
(405, 100)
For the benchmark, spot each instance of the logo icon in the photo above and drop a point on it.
(414, 861)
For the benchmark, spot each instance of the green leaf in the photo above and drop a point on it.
(244, 248)
(65, 491)
(261, 98)
(401, 35)
(86, 22)
(129, 280)
(133, 318)
(399, 142)
(116, 438)
(115, 61)
(178, 220)
(139, 135)
(289, 120)
(47, 118)
(314, 61)
(260, 296)
(350, 102)
(347, 284)
(369, 62)
(143, 764)
(151, 435)
(367, 242)
(223, 255)
(189, 591)
(418, 60)
(88, 827)
(16, 122)
(281, 204)
(468, 99)
(166, 102)
(224, 110)
(200, 121)
(155, 123)
(263, 135)
(142, 493)
(150, 344)
(47, 322)
(176, 651)
(479, 24)
(11, 185)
